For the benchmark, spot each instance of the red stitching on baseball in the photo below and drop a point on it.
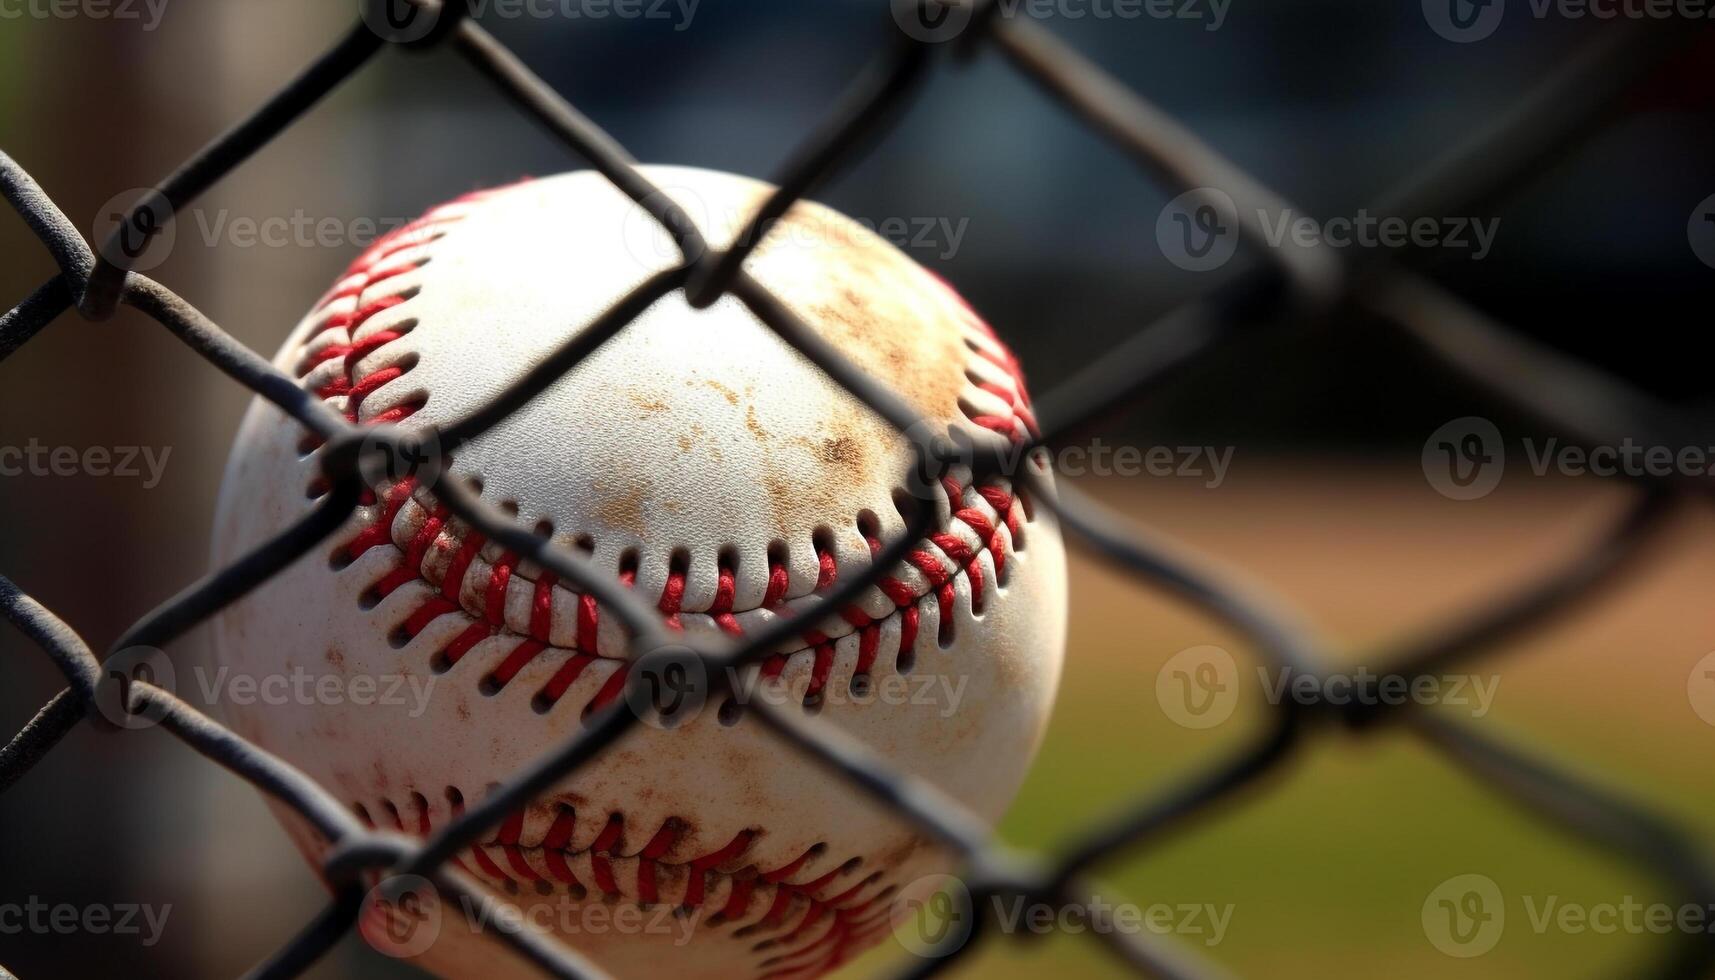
(382, 262)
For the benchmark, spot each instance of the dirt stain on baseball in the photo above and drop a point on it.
(845, 454)
(621, 505)
(799, 505)
(751, 423)
(867, 303)
(730, 395)
(648, 403)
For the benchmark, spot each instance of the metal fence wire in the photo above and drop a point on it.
(1281, 291)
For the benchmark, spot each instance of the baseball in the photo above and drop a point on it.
(712, 468)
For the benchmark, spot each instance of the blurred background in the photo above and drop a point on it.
(1326, 867)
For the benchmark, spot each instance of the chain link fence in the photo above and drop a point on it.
(1282, 291)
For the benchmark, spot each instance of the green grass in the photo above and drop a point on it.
(1327, 864)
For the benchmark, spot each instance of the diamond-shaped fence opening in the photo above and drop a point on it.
(1283, 291)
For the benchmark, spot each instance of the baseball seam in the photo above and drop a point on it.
(455, 572)
(442, 569)
(779, 915)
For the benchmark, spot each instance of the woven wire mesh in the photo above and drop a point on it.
(1282, 291)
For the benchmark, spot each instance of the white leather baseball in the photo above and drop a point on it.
(727, 479)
